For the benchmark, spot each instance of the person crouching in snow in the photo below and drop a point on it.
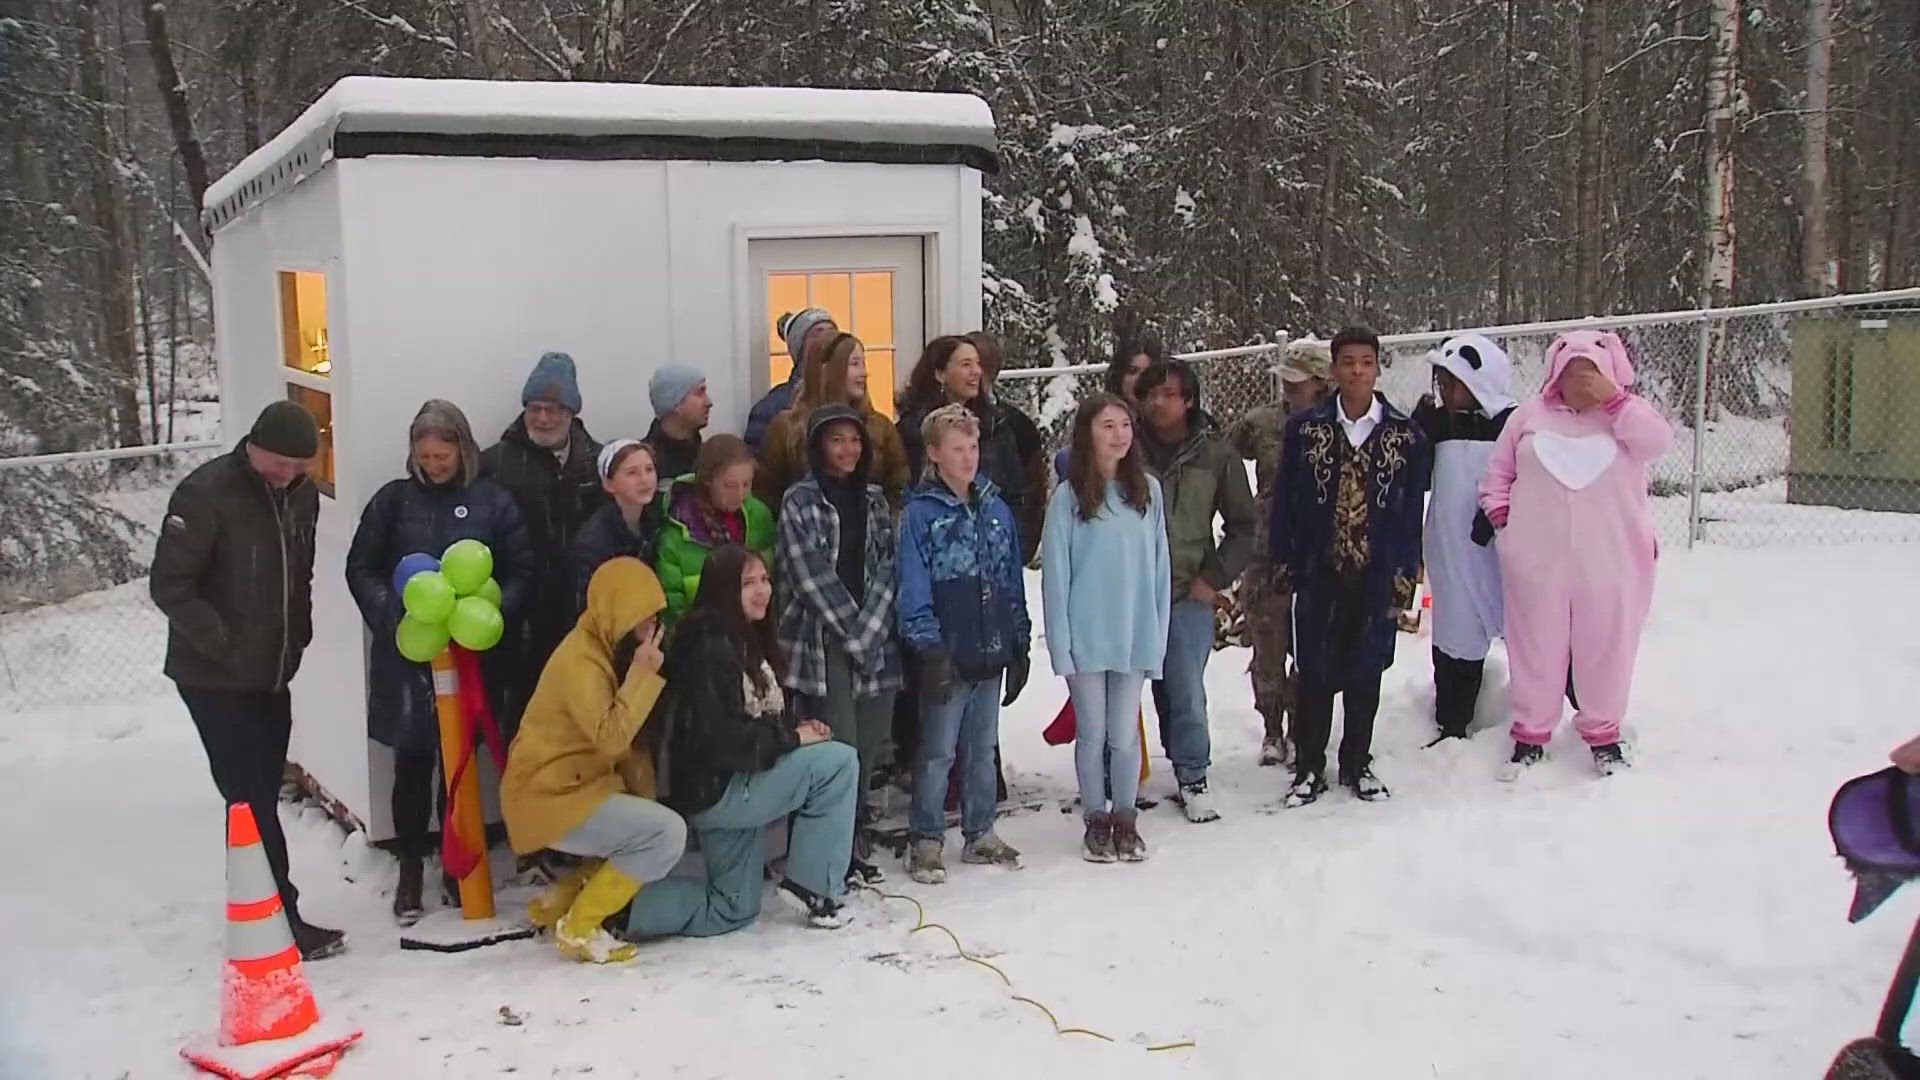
(1346, 530)
(1567, 490)
(737, 762)
(580, 775)
(1103, 567)
(1461, 422)
(963, 610)
(834, 563)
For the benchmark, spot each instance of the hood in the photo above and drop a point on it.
(1475, 360)
(621, 595)
(1603, 347)
(444, 418)
(816, 430)
(936, 489)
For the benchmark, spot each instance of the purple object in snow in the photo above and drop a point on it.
(1875, 823)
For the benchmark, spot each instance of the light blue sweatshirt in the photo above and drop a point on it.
(1107, 584)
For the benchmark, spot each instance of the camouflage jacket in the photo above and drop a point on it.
(1256, 437)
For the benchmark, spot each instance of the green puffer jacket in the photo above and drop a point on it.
(1201, 478)
(686, 538)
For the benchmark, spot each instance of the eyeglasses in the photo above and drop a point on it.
(546, 410)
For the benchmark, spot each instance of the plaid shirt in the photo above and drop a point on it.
(815, 604)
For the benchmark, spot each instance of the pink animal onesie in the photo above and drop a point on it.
(1569, 491)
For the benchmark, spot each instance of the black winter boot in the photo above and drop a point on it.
(407, 907)
(1456, 692)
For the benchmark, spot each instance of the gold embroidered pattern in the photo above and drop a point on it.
(1394, 443)
(1352, 548)
(1319, 440)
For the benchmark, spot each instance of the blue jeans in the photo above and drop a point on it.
(967, 724)
(1184, 724)
(818, 785)
(1106, 744)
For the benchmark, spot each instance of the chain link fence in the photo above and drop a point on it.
(76, 537)
(1804, 430)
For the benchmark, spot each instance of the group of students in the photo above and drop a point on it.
(712, 636)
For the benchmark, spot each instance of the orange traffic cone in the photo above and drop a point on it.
(269, 1023)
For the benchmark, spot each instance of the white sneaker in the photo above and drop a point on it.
(1197, 803)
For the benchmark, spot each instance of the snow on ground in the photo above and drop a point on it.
(1686, 919)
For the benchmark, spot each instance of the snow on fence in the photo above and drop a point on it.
(1808, 432)
(1737, 474)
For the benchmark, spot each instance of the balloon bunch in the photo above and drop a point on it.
(452, 598)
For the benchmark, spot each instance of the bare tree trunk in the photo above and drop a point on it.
(1503, 288)
(481, 36)
(1898, 268)
(1815, 278)
(1587, 235)
(114, 260)
(179, 112)
(1722, 68)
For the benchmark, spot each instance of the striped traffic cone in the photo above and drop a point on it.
(269, 1023)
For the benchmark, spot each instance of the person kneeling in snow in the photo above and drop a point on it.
(737, 762)
(580, 775)
(1572, 462)
(1462, 422)
(963, 610)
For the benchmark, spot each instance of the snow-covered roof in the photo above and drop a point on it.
(482, 118)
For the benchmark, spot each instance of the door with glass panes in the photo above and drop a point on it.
(872, 285)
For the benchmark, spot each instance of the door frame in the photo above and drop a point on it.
(933, 237)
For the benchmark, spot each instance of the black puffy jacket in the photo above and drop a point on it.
(606, 536)
(408, 516)
(710, 736)
(233, 572)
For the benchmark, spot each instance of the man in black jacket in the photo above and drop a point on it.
(546, 460)
(233, 572)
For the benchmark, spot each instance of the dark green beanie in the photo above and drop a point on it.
(286, 429)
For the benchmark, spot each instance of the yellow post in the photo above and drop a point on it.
(463, 806)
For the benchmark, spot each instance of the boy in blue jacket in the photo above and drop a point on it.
(963, 613)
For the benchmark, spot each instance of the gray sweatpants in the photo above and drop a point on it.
(863, 723)
(638, 836)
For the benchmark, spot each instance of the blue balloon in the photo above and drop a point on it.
(416, 563)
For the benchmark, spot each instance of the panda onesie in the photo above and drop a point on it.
(1463, 570)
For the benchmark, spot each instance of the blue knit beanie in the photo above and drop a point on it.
(671, 385)
(554, 379)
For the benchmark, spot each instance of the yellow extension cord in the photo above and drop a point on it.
(921, 923)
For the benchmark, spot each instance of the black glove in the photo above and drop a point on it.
(1482, 528)
(1017, 673)
(936, 676)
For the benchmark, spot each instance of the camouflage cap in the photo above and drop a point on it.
(1306, 359)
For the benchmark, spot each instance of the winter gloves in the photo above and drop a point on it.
(936, 676)
(1482, 528)
(1017, 673)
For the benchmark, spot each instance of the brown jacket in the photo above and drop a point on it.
(577, 739)
(783, 456)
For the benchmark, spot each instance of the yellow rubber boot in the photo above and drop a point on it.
(579, 931)
(546, 909)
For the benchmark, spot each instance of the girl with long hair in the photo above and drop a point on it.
(629, 525)
(1104, 569)
(717, 508)
(836, 374)
(737, 761)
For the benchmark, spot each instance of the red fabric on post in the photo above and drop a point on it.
(459, 854)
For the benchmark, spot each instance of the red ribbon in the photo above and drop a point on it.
(457, 853)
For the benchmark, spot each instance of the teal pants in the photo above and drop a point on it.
(818, 785)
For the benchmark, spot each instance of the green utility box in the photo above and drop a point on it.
(1856, 409)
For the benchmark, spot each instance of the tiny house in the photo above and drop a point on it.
(1856, 409)
(406, 239)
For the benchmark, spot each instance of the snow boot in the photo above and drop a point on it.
(1610, 758)
(927, 863)
(1307, 789)
(1456, 693)
(1525, 756)
(407, 906)
(1275, 751)
(822, 912)
(1097, 845)
(862, 873)
(581, 931)
(546, 909)
(1128, 845)
(1366, 787)
(990, 850)
(1197, 803)
(315, 942)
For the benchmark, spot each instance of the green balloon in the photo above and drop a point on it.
(490, 592)
(476, 624)
(420, 641)
(467, 565)
(429, 597)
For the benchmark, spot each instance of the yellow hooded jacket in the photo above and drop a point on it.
(576, 741)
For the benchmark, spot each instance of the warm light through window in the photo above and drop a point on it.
(861, 303)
